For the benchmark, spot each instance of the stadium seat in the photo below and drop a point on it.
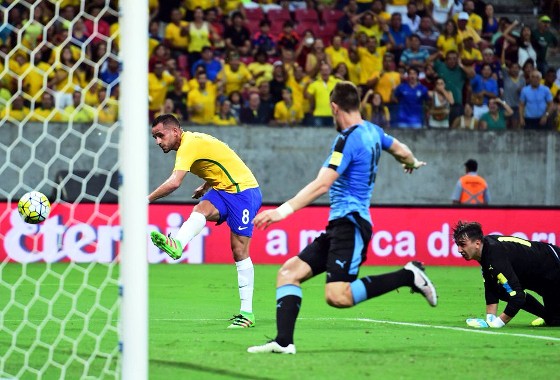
(253, 26)
(326, 32)
(276, 27)
(331, 15)
(278, 15)
(301, 27)
(253, 14)
(306, 15)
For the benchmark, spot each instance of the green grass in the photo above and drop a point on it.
(396, 336)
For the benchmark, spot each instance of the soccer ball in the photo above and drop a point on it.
(34, 207)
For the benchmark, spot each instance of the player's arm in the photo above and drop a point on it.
(509, 287)
(170, 185)
(404, 155)
(201, 190)
(304, 197)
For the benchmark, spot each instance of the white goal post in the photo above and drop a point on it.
(73, 289)
(134, 206)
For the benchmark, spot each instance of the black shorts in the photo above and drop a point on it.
(340, 250)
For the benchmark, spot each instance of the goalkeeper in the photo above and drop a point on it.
(229, 194)
(511, 265)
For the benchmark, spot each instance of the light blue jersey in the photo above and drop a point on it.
(355, 156)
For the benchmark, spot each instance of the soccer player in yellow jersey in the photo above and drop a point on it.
(229, 194)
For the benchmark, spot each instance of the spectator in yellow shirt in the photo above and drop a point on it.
(176, 34)
(449, 39)
(47, 112)
(368, 24)
(470, 55)
(318, 93)
(108, 108)
(371, 58)
(298, 83)
(336, 52)
(224, 117)
(475, 21)
(201, 102)
(78, 112)
(465, 30)
(16, 111)
(159, 82)
(34, 76)
(235, 75)
(385, 81)
(260, 68)
(286, 112)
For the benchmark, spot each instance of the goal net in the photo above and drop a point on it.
(59, 134)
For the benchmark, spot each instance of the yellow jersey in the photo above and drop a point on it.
(337, 56)
(33, 78)
(297, 91)
(371, 62)
(386, 84)
(321, 92)
(473, 55)
(202, 104)
(446, 44)
(215, 162)
(173, 35)
(14, 115)
(158, 88)
(288, 115)
(217, 120)
(234, 80)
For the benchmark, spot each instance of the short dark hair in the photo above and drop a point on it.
(467, 231)
(166, 119)
(471, 165)
(345, 95)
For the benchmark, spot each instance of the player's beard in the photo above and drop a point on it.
(338, 127)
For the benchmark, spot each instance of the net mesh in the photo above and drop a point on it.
(59, 294)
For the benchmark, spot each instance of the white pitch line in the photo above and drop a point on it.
(471, 330)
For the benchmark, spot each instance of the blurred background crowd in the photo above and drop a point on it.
(418, 63)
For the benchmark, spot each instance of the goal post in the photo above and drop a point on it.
(134, 206)
(73, 289)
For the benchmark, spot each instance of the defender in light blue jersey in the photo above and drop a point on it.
(349, 175)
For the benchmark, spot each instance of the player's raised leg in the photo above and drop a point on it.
(202, 212)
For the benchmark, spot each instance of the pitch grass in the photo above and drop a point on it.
(188, 338)
(395, 336)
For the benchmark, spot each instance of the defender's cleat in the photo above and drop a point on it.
(242, 321)
(539, 322)
(167, 244)
(422, 283)
(272, 347)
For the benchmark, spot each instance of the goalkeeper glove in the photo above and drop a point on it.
(494, 322)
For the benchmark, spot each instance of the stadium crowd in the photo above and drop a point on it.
(418, 63)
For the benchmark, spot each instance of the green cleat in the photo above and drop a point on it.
(539, 322)
(242, 321)
(167, 244)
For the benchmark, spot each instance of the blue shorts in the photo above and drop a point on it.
(237, 209)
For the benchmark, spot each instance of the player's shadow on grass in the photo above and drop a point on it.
(349, 351)
(209, 370)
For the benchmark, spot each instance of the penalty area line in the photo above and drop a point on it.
(472, 330)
